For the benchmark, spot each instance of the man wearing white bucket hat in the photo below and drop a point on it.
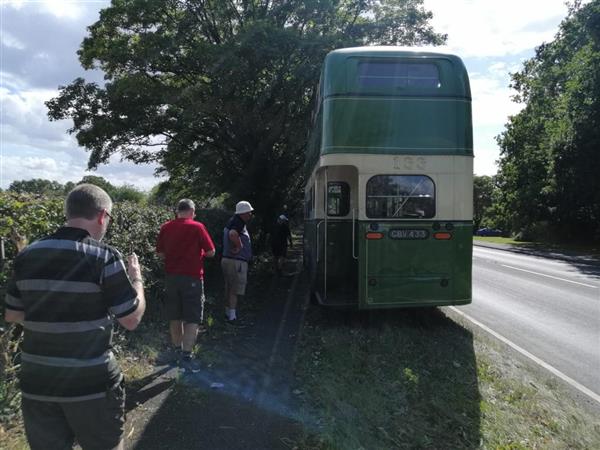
(237, 251)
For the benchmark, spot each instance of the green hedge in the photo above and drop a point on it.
(135, 228)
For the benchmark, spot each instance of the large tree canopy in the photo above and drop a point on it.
(219, 93)
(550, 160)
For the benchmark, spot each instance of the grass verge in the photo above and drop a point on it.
(417, 379)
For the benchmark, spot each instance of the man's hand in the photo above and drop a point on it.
(133, 267)
(131, 321)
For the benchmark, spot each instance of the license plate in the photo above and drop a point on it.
(408, 233)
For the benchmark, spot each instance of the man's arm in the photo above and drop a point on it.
(14, 308)
(236, 241)
(159, 244)
(206, 243)
(132, 320)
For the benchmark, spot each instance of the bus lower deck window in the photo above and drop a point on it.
(400, 196)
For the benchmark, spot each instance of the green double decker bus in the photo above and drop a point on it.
(389, 191)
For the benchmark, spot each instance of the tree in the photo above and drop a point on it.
(220, 93)
(549, 151)
(124, 192)
(101, 182)
(37, 186)
(483, 191)
(128, 193)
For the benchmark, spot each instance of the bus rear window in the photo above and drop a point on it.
(390, 74)
(400, 197)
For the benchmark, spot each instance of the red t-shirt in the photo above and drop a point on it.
(184, 242)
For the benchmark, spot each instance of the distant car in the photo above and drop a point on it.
(488, 232)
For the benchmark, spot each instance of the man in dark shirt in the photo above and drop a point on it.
(66, 290)
(280, 237)
(237, 252)
(184, 243)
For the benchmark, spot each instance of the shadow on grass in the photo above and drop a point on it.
(392, 379)
(191, 418)
(140, 391)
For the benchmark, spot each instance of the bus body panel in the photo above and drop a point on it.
(415, 272)
(397, 125)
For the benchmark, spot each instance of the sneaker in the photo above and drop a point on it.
(190, 365)
(170, 356)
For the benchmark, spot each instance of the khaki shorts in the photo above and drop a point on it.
(235, 273)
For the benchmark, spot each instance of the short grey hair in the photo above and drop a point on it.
(185, 204)
(85, 201)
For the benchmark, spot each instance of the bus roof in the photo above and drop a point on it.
(340, 70)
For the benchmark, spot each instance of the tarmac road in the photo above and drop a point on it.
(549, 307)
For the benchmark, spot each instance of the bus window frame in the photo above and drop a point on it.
(424, 217)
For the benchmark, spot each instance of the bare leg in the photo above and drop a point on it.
(176, 328)
(232, 299)
(190, 331)
(226, 296)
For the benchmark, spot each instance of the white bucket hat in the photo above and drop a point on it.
(243, 207)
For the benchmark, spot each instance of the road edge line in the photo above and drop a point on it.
(591, 394)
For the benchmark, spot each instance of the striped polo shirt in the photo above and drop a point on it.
(70, 288)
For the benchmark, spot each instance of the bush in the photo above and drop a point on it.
(134, 228)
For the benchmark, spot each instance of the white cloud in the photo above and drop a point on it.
(485, 161)
(68, 9)
(496, 28)
(24, 118)
(10, 41)
(25, 168)
(67, 167)
(492, 102)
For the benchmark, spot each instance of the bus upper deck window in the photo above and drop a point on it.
(400, 197)
(390, 74)
(338, 198)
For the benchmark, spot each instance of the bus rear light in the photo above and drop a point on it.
(442, 236)
(372, 235)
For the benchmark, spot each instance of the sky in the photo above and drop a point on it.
(39, 40)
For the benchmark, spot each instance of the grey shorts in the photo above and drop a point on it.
(185, 298)
(235, 273)
(96, 424)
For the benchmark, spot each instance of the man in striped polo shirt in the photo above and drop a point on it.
(66, 290)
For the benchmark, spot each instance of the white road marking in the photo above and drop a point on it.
(581, 388)
(550, 276)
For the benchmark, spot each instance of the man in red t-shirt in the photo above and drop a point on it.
(183, 244)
